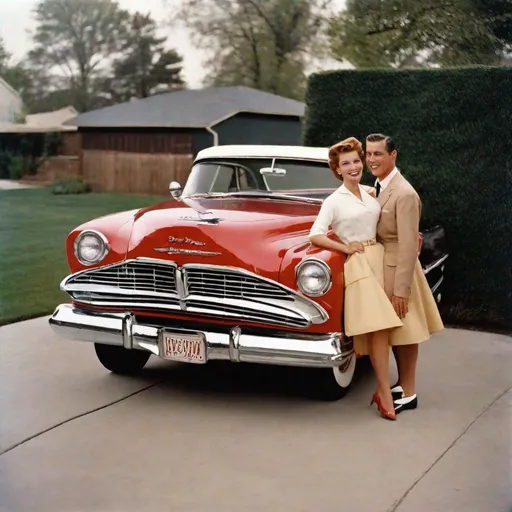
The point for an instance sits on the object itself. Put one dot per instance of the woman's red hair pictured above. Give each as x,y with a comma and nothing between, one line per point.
344,146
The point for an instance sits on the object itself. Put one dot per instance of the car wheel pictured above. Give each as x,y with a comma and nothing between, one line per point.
334,383
121,360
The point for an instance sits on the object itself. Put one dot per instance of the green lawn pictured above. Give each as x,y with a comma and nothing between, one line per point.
34,224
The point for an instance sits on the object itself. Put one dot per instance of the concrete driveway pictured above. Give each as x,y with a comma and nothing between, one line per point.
15,185
239,438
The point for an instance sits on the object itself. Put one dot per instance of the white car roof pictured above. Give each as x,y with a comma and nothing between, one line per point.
256,150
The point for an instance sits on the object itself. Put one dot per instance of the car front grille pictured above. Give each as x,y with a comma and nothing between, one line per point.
132,275
231,284
226,292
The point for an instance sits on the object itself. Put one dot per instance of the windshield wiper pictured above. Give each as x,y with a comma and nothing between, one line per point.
272,195
260,194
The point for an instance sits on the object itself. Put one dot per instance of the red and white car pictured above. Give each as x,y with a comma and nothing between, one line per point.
222,270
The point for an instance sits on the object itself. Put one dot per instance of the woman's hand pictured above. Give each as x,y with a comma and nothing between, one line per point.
354,247
326,243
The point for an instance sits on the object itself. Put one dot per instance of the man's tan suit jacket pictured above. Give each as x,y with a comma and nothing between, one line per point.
398,231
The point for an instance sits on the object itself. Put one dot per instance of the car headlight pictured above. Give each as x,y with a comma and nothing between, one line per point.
91,247
313,277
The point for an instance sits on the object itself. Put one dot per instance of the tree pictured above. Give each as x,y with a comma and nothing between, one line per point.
145,67
403,33
4,55
493,43
260,43
73,41
17,76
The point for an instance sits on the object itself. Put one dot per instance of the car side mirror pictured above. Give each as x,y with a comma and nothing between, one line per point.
175,190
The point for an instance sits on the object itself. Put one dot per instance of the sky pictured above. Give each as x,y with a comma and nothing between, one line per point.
16,22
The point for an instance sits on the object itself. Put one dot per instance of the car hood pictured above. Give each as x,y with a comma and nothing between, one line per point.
251,233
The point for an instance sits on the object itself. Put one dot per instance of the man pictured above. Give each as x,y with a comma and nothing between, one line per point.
404,281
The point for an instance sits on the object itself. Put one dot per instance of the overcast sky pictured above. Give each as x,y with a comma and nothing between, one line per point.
16,20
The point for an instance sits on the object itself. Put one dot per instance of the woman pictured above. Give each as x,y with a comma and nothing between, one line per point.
353,215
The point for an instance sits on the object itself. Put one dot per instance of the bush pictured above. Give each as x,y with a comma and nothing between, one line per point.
70,186
12,166
16,168
452,128
5,165
32,148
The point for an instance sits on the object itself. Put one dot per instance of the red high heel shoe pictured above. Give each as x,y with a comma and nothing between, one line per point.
383,412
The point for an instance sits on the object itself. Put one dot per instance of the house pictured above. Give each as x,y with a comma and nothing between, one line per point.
155,139
11,104
198,118
52,121
31,140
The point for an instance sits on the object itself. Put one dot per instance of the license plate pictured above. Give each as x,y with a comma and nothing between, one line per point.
188,348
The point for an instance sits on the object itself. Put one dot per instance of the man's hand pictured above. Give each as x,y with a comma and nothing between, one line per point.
400,305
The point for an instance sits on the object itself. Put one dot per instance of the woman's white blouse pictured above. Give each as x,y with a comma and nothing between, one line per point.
351,220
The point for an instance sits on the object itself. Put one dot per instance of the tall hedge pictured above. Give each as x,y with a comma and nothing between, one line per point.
453,128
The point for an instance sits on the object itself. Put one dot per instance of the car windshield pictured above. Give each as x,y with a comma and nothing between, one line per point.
243,176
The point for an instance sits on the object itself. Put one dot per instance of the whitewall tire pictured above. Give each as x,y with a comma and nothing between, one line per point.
334,383
345,378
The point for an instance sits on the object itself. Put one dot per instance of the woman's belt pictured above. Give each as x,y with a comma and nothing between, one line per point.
372,241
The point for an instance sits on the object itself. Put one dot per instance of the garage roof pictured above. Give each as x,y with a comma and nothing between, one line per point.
195,108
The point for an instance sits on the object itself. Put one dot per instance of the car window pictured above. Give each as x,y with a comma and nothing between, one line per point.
306,178
246,179
224,180
301,176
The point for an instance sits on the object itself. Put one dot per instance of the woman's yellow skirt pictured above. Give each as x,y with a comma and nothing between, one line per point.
367,307
423,318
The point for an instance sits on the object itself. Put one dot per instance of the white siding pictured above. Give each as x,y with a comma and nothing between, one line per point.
10,103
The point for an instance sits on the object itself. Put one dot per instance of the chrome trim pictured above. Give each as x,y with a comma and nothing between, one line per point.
437,285
322,264
234,344
101,236
198,220
250,311
126,330
266,195
175,190
181,288
236,271
272,171
177,193
193,252
121,329
289,308
436,264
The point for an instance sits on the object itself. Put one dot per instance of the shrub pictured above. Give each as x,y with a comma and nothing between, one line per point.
16,168
70,186
5,165
452,129
33,148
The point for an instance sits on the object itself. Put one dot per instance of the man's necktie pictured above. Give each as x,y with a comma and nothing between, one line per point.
377,188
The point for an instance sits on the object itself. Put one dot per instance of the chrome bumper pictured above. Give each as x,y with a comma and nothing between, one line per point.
121,329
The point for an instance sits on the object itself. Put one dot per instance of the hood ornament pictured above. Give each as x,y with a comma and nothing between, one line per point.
203,214
180,250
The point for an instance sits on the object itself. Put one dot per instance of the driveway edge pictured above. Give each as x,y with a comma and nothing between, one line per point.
397,504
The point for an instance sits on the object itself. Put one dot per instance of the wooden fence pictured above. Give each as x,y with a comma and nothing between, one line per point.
136,173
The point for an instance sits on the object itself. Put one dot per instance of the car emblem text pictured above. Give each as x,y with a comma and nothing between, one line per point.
180,250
